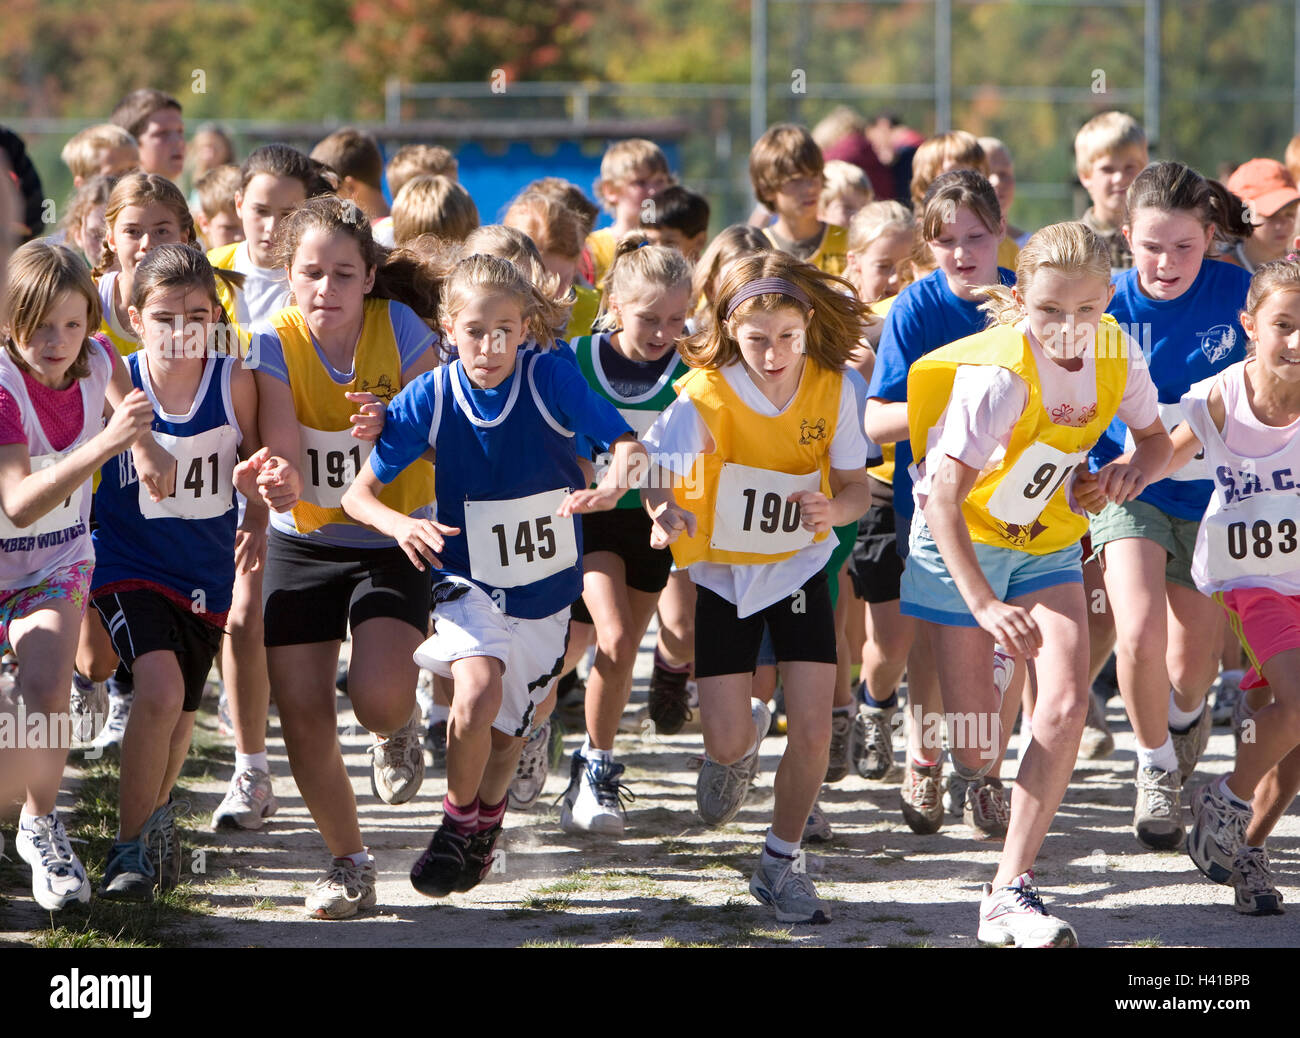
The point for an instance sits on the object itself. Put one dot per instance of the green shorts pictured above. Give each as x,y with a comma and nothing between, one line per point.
1139,519
847,536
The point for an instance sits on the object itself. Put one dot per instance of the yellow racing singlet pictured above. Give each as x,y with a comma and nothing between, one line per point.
583,314
329,456
832,255
743,515
601,244
223,258
1019,502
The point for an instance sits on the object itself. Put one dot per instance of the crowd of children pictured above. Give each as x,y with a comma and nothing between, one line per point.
911,441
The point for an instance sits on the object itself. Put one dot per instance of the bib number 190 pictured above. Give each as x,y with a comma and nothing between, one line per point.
525,547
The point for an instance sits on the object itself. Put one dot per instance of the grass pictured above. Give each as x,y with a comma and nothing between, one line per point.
917,931
543,903
889,919
108,924
536,943
1148,942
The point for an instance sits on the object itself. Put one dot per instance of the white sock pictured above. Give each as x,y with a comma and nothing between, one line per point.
1233,798
438,712
1162,757
1180,719
250,762
360,858
774,842
25,819
591,753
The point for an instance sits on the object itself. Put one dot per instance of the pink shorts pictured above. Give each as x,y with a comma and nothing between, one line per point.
70,582
1265,622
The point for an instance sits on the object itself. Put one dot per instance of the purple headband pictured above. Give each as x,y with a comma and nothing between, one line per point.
768,287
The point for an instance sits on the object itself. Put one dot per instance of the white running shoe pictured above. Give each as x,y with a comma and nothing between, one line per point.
1015,916
720,789
58,877
818,827
777,882
1218,832
534,764
343,890
397,770
109,739
88,708
249,801
598,806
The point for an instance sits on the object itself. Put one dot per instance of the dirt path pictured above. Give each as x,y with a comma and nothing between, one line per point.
670,880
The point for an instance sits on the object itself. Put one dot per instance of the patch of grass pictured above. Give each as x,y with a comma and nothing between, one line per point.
673,942
543,903
772,935
889,919
570,884
909,944
1147,942
65,937
263,904
858,938
575,929
108,924
627,938
675,846
917,931
536,943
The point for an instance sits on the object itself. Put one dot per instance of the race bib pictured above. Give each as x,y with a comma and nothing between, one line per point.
520,541
754,513
1262,543
205,466
65,514
1172,415
1027,487
329,462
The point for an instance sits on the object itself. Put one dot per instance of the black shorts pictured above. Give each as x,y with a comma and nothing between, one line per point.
802,626
312,591
141,621
626,533
874,566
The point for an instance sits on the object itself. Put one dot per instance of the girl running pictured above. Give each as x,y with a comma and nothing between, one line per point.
346,335
164,571
1186,308
54,378
500,422
632,362
767,450
1000,420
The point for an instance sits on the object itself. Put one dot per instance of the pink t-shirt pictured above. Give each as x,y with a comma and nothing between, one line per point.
58,410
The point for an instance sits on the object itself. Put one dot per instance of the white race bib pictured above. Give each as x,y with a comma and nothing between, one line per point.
1027,487
1261,543
753,512
63,515
329,462
520,541
205,466
1171,415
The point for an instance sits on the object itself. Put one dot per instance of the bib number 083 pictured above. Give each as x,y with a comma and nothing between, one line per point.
1260,542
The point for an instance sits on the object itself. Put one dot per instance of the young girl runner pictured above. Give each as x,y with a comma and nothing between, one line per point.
632,362
500,422
961,225
53,382
767,434
1166,630
345,335
164,571
1247,419
1000,420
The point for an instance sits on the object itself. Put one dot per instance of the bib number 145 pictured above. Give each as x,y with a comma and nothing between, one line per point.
519,541
524,544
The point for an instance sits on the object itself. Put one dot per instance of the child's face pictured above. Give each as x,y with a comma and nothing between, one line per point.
1272,238
90,235
1109,179
1168,248
967,252
1274,328
797,199
162,144
1002,175
627,196
140,228
114,161
330,280
57,341
175,322
223,229
487,333
1063,311
261,206
563,267
841,209
771,347
874,271
652,322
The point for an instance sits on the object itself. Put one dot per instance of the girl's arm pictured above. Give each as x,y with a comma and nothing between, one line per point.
421,539
1126,477
623,475
1010,625
670,520
250,538
886,420
26,495
850,498
153,464
278,480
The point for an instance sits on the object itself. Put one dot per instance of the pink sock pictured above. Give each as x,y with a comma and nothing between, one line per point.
490,815
463,819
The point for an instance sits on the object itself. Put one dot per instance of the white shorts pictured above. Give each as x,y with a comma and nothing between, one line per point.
531,651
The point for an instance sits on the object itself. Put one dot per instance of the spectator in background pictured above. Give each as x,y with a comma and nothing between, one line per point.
355,157
154,120
24,219
842,135
1271,192
894,144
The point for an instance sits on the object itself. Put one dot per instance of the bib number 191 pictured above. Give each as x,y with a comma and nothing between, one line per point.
338,473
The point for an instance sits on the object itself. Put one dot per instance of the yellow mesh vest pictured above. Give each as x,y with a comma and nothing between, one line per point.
796,441
223,258
319,402
601,244
832,255
583,313
929,388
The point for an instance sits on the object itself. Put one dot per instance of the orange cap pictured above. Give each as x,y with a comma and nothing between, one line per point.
1266,184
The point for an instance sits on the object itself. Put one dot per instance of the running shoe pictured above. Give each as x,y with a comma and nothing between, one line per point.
777,882
1253,881
58,878
1097,741
343,890
987,809
838,762
249,801
922,804
129,874
1189,745
873,741
225,723
1158,813
435,741
818,827
88,709
109,740
598,805
669,700
1218,832
441,867
530,775
1015,916
164,843
1226,691
397,769
478,859
720,789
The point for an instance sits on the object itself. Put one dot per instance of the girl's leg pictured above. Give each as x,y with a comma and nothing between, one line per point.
1273,796
243,665
45,642
676,643
726,718
843,648
855,625
889,637
96,659
924,700
382,674
499,771
1276,730
803,765
581,638
1195,627
148,751
1101,621
622,615
475,702
764,684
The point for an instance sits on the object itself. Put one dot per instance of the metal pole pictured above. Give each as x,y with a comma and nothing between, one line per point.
942,66
393,100
1151,72
757,69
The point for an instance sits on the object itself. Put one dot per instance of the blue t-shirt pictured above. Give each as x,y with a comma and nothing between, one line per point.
1184,340
925,316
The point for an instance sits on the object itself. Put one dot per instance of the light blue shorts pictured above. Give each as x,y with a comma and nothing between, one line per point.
928,591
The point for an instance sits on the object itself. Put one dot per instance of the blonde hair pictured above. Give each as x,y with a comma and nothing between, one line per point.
552,225
433,204
840,122
482,275
84,151
785,152
94,191
958,149
569,195
874,219
217,189
1292,158
835,325
510,243
841,178
413,159
1106,134
732,242
1072,248
38,274
637,265
1270,278
142,189
622,160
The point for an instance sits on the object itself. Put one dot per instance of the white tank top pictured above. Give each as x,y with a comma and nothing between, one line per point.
1250,535
61,537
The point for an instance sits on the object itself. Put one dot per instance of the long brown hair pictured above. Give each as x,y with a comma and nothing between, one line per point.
141,189
38,274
